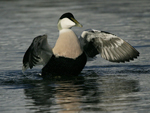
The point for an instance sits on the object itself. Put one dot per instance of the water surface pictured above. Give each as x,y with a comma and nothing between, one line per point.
102,86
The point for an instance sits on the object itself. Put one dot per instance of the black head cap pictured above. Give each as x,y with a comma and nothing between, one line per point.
67,15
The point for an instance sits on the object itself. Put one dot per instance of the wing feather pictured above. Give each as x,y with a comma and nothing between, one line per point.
38,53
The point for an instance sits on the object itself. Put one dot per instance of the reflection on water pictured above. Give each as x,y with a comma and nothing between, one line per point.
91,93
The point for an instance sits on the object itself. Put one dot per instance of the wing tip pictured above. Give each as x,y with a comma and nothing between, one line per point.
132,58
23,69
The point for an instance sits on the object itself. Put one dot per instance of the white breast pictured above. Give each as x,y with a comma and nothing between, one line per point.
67,44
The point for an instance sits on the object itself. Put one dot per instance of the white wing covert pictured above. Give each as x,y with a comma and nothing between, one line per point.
110,46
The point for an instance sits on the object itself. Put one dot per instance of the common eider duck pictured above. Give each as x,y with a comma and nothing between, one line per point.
70,53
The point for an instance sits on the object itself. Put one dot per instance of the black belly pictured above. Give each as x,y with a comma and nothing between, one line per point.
62,66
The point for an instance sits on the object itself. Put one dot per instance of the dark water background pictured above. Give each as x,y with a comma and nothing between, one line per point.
102,86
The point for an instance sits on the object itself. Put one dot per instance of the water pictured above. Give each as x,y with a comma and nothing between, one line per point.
102,86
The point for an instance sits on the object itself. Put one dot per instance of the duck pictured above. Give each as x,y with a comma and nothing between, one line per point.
71,53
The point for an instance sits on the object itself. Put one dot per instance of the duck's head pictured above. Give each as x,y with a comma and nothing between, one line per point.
66,21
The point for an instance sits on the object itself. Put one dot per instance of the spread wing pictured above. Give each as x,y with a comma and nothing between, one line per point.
110,46
38,53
